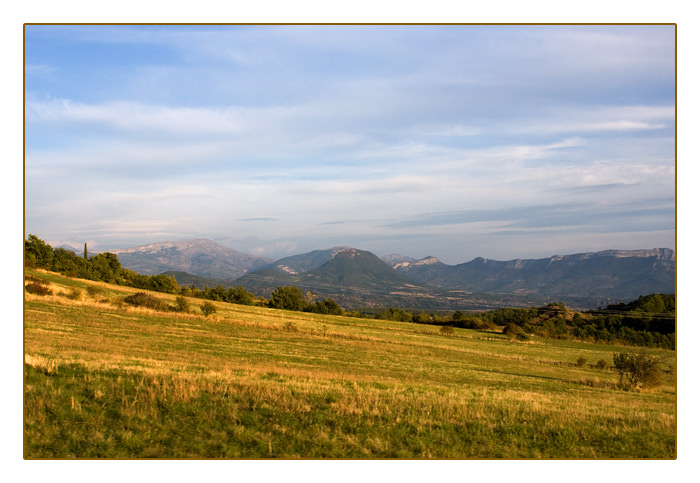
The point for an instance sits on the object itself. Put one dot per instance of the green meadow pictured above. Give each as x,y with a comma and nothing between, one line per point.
103,379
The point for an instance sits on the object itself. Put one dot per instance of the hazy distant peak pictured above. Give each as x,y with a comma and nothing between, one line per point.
200,256
159,246
395,258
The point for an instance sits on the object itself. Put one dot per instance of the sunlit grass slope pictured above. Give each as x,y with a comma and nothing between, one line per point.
104,380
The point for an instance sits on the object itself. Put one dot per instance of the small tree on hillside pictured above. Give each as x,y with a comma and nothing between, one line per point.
514,332
181,304
637,371
288,298
208,308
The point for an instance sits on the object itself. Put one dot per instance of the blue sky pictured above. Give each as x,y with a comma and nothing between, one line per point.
454,141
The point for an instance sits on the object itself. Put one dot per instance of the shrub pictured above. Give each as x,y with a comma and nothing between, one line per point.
581,361
291,327
72,295
38,288
602,364
142,299
513,332
637,371
181,304
447,330
94,291
208,308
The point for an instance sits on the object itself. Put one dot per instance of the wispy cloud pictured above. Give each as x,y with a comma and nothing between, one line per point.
261,218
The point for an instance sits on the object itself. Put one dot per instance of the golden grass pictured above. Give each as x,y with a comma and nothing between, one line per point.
345,373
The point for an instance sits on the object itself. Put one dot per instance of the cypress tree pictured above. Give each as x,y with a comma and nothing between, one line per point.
85,255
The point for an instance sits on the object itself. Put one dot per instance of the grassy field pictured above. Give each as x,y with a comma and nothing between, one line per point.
106,380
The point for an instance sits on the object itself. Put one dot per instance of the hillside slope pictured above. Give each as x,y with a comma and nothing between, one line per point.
106,380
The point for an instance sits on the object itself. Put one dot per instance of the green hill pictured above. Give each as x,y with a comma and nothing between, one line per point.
359,279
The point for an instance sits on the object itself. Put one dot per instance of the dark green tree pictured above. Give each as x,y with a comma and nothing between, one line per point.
85,252
106,267
68,263
181,304
637,370
208,308
514,332
163,283
37,253
326,306
239,295
288,298
459,316
421,318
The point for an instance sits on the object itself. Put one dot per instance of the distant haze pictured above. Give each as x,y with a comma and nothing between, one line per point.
454,141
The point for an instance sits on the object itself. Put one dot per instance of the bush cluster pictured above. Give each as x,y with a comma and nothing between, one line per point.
38,288
637,371
515,332
208,308
142,299
292,298
74,294
181,304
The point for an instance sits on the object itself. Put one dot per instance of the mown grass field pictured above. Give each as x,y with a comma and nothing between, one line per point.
105,380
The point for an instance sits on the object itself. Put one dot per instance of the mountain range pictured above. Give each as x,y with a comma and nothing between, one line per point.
357,278
201,257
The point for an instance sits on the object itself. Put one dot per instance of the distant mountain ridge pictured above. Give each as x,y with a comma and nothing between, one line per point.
359,278
397,261
579,278
351,277
306,262
201,257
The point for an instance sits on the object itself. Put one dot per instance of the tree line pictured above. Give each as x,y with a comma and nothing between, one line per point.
648,321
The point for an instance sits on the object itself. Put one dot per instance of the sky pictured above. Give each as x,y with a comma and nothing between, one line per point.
455,141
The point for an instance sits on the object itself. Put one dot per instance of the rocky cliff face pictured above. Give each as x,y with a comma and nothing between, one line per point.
415,263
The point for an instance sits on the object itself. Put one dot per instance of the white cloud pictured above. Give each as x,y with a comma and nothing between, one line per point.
586,120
